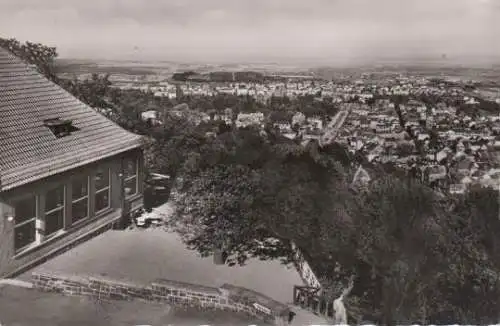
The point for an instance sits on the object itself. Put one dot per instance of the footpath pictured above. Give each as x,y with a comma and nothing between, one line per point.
47,309
305,317
21,305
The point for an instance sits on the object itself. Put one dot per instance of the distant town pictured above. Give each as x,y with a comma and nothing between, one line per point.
444,131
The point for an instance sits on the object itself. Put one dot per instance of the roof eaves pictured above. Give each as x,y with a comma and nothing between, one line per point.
39,176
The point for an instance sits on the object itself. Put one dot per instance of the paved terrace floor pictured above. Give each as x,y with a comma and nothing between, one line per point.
26,307
143,255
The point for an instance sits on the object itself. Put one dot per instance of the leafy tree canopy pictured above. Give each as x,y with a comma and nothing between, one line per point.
244,190
37,54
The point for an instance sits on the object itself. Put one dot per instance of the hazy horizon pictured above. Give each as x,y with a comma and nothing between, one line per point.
316,31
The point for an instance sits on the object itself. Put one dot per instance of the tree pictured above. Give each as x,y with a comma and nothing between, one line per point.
393,238
405,148
251,195
434,142
94,91
172,144
183,76
472,256
42,56
240,178
280,116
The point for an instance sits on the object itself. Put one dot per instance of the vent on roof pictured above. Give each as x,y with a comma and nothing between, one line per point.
60,128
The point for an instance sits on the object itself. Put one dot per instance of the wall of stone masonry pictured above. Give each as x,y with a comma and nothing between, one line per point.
176,294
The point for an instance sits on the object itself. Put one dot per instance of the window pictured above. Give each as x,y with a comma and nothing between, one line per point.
102,187
54,210
130,177
80,199
25,222
60,128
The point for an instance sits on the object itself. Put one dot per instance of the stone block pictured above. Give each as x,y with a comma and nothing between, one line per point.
182,295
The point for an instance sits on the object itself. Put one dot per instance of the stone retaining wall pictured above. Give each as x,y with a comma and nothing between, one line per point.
227,297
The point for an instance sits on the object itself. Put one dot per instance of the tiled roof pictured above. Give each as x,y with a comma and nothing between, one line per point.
28,150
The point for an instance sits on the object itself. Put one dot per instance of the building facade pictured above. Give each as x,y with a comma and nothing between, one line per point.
67,173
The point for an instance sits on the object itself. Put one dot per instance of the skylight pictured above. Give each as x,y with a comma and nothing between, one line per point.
59,127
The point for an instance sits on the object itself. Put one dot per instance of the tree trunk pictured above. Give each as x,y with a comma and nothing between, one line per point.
387,305
220,257
387,319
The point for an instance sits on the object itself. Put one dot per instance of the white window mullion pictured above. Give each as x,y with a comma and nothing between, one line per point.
81,183
106,189
54,210
132,177
39,223
60,208
79,199
102,190
24,222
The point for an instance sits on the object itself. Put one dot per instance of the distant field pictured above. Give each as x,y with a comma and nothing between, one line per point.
490,93
142,68
378,71
87,68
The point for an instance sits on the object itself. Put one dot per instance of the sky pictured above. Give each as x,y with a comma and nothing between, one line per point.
259,30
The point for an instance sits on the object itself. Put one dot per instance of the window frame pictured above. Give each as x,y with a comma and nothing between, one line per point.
40,197
134,176
61,208
99,191
80,199
34,219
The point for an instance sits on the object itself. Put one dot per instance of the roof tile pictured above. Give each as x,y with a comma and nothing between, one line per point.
29,150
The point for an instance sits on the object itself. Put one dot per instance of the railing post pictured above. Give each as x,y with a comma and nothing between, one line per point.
315,305
330,311
322,307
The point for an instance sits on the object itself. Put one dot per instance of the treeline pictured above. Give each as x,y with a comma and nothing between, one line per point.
278,109
225,76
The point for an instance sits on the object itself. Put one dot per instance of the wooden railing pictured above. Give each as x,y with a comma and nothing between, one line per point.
303,268
307,298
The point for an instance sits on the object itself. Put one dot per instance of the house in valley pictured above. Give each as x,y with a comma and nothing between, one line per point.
67,173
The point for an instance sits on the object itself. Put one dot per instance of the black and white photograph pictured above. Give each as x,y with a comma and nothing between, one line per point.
249,162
